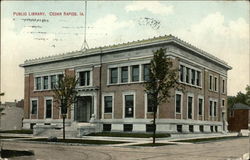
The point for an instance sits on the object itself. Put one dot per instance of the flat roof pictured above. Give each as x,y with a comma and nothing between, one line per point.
124,46
241,106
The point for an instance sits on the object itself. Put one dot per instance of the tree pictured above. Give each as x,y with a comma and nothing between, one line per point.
162,78
248,95
239,98
65,95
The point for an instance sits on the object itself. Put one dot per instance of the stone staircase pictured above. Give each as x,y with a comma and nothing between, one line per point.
74,130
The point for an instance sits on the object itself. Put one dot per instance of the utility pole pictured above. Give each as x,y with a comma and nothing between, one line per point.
1,94
85,44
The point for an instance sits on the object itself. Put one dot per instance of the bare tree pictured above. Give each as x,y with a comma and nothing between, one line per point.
65,95
162,78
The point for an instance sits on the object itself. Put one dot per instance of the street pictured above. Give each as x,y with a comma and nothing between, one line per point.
220,150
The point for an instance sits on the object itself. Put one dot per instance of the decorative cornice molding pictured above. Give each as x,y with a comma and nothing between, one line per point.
125,46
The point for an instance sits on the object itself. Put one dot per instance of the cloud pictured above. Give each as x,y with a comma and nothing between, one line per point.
19,46
228,41
215,24
107,27
154,7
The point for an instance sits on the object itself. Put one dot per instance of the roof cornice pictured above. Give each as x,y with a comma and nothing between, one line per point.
125,46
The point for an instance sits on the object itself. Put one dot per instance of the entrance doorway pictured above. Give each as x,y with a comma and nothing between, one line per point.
84,108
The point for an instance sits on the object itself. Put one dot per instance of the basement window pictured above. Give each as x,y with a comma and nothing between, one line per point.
179,128
127,127
149,128
106,127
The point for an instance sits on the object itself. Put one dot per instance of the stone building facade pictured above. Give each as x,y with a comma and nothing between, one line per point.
111,92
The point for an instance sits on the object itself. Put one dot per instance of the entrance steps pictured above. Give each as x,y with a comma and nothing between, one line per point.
85,128
54,131
73,130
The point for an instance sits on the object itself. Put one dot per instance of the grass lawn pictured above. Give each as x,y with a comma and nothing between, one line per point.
15,153
22,131
207,140
153,145
134,135
9,137
81,141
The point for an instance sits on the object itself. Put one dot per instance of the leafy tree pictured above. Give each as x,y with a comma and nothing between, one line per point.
248,95
162,78
239,98
65,95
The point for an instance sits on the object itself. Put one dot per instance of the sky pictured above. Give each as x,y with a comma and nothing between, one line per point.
32,29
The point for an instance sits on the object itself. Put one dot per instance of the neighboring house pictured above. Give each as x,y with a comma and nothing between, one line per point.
111,91
11,116
239,117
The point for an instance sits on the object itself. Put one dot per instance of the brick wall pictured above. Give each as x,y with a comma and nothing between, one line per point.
40,95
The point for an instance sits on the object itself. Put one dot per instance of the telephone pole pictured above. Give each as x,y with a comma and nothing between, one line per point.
1,94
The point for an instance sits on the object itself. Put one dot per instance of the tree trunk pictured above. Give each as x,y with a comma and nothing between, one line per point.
154,125
64,116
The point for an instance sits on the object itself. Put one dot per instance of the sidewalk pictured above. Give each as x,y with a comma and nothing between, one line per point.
136,141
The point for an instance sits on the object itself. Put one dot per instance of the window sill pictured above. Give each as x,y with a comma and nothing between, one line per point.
213,91
129,83
84,86
190,85
43,90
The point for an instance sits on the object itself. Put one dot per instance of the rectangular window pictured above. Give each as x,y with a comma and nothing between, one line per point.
135,73
129,106
45,82
210,82
38,83
193,77
106,127
215,109
179,128
223,86
84,78
113,75
210,107
187,75
128,127
216,128
149,128
48,104
198,80
182,73
190,107
223,102
53,81
201,128
146,71
215,84
34,107
60,78
124,74
200,106
178,103
107,104
150,104
211,128
191,128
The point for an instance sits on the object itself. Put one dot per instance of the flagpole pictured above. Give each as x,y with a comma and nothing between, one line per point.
85,44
